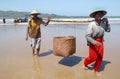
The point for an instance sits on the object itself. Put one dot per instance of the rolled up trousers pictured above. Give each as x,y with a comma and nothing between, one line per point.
95,54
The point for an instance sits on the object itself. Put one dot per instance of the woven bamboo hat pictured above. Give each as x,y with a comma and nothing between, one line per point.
34,12
96,11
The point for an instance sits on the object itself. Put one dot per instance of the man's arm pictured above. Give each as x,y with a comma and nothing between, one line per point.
46,22
89,36
107,25
27,33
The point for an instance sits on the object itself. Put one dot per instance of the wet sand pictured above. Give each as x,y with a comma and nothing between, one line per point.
17,61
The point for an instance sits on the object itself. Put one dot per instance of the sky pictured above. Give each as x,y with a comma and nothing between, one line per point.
63,7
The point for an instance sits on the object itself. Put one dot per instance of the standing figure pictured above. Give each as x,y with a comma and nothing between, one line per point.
33,31
94,36
4,21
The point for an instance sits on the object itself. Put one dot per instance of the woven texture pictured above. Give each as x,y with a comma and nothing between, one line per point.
64,46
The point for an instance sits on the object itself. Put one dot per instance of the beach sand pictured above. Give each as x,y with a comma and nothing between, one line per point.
17,61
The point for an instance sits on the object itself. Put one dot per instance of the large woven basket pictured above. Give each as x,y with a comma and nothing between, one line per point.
64,46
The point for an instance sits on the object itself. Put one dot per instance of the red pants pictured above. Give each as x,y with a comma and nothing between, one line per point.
95,54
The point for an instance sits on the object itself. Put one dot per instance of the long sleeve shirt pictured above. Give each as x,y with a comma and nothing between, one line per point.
96,30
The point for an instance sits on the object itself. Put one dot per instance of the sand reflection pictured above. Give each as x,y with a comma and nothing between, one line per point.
37,70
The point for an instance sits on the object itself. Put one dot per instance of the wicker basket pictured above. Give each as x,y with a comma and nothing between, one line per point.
64,46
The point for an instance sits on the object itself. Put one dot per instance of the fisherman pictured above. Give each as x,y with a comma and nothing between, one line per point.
33,31
94,36
4,21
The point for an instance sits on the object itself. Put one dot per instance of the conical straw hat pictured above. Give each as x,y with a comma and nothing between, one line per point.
97,10
34,12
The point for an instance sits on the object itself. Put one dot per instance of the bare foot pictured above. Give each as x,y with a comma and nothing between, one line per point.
33,53
37,54
85,68
98,73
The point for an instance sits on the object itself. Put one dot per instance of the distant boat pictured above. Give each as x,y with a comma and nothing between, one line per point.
20,20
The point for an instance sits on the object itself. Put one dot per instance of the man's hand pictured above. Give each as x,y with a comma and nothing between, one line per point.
98,43
105,20
26,38
49,18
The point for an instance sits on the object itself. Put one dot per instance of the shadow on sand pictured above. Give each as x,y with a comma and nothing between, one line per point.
70,61
103,65
45,53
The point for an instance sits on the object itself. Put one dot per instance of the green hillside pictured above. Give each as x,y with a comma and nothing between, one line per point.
14,14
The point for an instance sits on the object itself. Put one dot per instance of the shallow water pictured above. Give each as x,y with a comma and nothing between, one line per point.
17,62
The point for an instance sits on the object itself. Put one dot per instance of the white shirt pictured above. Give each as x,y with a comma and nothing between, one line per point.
96,30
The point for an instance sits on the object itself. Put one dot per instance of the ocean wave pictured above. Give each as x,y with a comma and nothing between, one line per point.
64,21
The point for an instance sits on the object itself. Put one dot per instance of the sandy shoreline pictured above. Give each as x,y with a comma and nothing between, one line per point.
17,62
